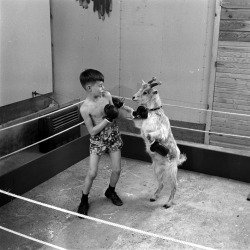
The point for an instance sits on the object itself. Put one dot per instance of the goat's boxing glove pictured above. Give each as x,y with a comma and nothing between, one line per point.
159,148
111,112
118,102
140,113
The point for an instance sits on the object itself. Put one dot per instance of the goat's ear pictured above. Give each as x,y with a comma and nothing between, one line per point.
155,92
144,83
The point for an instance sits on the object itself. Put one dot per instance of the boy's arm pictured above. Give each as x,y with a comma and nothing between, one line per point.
124,111
93,130
109,97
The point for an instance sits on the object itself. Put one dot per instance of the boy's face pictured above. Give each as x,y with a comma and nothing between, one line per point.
97,88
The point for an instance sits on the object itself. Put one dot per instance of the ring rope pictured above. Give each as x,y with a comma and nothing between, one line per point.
207,110
183,128
108,222
199,109
164,104
210,132
31,238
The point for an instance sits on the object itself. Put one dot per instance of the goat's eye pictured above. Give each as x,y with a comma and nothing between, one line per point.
145,93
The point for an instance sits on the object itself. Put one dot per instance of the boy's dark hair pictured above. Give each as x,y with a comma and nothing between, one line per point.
90,75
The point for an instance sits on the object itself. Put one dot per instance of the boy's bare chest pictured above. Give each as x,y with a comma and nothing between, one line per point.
97,108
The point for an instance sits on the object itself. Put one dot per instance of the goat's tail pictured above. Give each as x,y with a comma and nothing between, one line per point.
182,159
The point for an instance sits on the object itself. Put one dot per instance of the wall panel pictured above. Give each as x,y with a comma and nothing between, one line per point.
172,41
25,50
167,39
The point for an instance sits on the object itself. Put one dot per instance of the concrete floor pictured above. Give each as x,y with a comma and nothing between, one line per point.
209,211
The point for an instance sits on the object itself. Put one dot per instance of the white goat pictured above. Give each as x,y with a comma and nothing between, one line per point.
156,128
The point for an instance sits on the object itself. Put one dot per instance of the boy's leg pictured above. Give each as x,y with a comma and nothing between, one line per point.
116,167
116,170
92,172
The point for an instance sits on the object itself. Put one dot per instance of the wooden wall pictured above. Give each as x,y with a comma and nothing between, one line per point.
232,79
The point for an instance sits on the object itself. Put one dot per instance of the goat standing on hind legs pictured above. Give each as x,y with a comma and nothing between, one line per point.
156,132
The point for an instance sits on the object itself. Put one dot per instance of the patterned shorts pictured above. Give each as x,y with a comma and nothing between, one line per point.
109,139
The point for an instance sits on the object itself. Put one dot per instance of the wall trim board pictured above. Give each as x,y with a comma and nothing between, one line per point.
213,67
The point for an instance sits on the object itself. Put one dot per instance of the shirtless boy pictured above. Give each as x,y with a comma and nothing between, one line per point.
99,113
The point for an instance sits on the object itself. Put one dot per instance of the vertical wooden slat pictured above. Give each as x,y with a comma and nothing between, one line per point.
213,68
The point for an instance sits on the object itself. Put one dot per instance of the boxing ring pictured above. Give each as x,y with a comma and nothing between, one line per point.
45,191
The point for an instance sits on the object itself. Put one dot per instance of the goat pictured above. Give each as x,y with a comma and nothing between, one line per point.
155,128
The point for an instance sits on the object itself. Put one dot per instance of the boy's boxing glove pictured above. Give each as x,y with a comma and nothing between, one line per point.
140,113
159,148
118,102
111,112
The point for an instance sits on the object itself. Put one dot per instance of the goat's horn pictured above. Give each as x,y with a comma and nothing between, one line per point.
153,84
153,79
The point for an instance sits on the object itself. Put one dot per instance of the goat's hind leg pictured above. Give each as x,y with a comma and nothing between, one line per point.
159,176
173,182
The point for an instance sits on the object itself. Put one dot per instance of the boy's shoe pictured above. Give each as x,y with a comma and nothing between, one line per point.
83,209
112,195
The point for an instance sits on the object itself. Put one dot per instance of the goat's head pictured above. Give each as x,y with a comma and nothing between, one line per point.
147,94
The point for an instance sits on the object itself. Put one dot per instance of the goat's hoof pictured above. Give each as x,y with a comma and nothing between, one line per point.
166,206
152,199
248,197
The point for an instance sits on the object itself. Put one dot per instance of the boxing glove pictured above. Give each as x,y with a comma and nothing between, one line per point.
117,102
140,113
159,148
111,112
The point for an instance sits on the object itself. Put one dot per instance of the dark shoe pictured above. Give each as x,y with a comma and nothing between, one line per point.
83,209
113,197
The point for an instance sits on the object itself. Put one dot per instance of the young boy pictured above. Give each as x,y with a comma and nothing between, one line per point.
99,112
